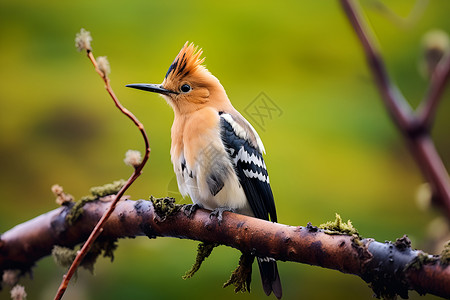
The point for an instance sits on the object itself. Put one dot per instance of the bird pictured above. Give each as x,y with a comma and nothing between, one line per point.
216,153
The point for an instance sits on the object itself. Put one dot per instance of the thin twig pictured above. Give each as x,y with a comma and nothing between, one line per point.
428,159
415,129
137,171
439,79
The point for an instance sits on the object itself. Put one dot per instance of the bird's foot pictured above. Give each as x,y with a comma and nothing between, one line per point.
189,209
218,212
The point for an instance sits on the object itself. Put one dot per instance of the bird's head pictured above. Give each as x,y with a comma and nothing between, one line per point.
188,85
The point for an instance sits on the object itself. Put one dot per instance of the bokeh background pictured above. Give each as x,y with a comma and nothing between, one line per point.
331,147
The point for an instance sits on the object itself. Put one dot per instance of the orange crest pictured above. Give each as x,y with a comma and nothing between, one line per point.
186,62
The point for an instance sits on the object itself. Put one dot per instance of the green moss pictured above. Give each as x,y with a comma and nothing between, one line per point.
445,254
356,241
96,192
107,189
100,246
339,227
65,256
242,276
77,210
203,252
421,259
164,207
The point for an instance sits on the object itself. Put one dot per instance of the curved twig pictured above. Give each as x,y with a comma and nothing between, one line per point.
137,172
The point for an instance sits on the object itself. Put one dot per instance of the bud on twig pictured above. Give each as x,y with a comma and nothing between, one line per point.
83,40
133,158
61,197
103,65
18,293
435,45
10,277
424,196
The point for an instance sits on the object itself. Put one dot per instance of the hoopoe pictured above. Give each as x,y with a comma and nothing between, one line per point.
216,153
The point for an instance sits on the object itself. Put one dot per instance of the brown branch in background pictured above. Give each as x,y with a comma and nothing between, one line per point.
83,43
390,268
415,127
396,104
439,79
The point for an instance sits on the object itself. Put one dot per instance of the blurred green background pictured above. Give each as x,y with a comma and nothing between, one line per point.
332,149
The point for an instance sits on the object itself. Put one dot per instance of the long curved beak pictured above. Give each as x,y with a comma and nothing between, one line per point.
154,88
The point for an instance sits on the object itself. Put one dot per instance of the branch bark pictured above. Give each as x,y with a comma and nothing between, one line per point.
390,268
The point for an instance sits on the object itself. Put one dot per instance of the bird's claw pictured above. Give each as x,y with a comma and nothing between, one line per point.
218,213
189,209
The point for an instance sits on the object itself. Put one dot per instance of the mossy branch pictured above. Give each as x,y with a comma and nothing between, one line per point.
390,268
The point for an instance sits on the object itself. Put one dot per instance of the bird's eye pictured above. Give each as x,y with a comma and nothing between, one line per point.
185,88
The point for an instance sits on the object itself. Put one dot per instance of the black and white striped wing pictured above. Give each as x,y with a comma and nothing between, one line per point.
250,169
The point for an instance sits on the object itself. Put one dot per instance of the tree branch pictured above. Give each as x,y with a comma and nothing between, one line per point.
391,268
415,127
429,104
